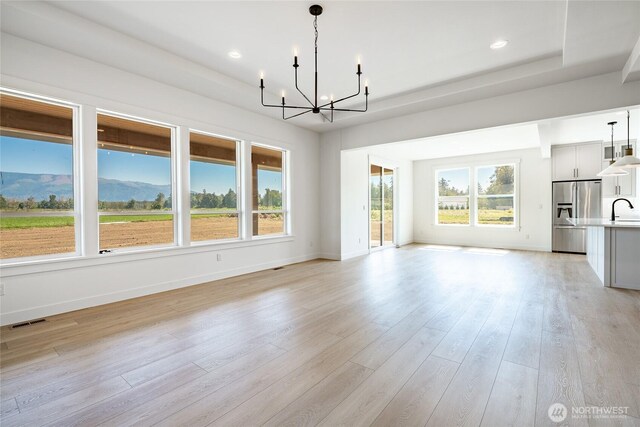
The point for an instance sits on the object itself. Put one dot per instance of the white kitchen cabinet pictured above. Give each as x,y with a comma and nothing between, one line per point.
564,163
618,149
588,160
581,161
612,252
619,186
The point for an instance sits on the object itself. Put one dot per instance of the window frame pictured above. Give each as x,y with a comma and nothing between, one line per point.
239,193
437,195
285,194
473,193
483,196
175,190
76,172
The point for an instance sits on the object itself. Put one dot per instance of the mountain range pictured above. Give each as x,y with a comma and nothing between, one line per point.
20,186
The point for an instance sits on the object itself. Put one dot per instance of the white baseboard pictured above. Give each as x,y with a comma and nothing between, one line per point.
330,256
354,254
78,304
484,245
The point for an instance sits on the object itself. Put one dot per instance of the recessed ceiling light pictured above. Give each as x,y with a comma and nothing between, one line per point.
499,44
324,97
234,54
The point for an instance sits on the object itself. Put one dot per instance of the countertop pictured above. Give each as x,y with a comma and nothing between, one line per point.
603,222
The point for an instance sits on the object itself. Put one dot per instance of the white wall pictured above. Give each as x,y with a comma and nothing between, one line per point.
330,175
581,96
354,203
534,210
54,287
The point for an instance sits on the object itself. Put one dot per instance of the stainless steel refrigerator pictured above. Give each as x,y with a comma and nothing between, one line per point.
574,200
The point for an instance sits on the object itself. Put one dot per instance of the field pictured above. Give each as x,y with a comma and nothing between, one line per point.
32,236
375,227
485,216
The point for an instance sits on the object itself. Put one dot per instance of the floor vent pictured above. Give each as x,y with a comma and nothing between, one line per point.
31,322
278,268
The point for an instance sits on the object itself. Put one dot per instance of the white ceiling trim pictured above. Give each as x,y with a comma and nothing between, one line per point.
631,70
63,30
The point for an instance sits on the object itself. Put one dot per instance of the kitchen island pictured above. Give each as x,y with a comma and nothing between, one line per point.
613,250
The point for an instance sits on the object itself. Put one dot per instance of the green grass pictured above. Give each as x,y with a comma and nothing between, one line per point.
486,216
453,216
9,223
134,218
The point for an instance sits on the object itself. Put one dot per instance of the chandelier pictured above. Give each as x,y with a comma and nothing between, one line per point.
314,106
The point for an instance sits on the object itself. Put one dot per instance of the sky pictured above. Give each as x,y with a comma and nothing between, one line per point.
484,174
134,167
458,178
29,156
38,157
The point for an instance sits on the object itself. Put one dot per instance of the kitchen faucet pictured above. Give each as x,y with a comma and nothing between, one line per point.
613,207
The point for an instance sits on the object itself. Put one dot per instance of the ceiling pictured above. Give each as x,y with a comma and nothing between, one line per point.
569,130
409,50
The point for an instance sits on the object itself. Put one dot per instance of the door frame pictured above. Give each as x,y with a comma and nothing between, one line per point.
391,165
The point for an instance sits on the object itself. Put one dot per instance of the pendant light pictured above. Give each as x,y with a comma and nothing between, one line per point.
629,160
613,170
313,106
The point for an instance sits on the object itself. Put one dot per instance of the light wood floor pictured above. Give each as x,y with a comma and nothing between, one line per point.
413,336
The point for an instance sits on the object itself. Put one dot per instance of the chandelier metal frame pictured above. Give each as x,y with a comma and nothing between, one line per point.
314,106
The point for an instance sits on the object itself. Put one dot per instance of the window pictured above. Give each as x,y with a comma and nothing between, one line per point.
214,188
269,190
37,178
495,196
135,184
453,196
492,189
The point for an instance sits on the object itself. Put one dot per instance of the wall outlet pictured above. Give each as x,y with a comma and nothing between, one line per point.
219,257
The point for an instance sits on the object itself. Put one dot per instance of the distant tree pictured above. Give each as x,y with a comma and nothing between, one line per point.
443,187
229,200
158,203
272,198
446,189
131,204
168,204
501,181
3,202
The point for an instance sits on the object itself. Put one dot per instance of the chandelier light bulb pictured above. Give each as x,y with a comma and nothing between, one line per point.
261,75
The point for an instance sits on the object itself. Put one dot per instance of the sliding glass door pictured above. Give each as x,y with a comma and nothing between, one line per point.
381,206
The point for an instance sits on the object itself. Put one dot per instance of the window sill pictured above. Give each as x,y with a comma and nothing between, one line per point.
65,263
479,226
